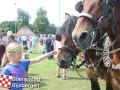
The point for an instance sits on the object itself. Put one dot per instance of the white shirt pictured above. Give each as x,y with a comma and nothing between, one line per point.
24,38
57,45
4,39
42,48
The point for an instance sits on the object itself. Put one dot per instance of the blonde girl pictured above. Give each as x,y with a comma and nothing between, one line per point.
13,65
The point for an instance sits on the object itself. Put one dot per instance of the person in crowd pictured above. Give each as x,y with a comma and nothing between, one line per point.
3,45
25,56
48,44
12,64
11,38
4,38
0,35
41,39
34,42
81,56
0,47
44,39
42,48
24,40
52,44
9,33
18,39
30,44
56,46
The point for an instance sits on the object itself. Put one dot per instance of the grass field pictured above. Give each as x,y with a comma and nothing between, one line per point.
46,71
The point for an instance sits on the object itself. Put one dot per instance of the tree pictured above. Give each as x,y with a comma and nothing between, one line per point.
31,27
41,22
23,18
52,29
8,26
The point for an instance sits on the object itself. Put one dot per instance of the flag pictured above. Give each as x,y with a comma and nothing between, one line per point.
5,81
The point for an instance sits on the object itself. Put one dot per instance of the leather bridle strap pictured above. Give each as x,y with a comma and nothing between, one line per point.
106,7
69,50
93,19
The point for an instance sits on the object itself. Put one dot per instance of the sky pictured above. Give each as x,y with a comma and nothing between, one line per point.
8,9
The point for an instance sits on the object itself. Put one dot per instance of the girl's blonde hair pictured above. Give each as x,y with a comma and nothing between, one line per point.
10,49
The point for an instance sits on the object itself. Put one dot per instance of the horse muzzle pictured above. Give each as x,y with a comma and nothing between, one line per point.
82,40
63,64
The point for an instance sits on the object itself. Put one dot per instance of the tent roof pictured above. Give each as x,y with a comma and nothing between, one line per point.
25,31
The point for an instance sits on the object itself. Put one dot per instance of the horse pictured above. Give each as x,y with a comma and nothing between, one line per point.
97,18
67,51
64,56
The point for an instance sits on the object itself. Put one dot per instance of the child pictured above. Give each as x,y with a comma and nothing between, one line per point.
30,44
42,48
25,56
13,65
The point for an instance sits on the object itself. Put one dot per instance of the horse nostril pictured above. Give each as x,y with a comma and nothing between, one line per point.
62,62
83,36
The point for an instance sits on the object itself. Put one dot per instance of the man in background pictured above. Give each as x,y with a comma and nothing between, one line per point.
48,44
24,39
34,41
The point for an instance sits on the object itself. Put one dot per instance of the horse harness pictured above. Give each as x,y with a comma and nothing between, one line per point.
108,61
109,5
73,53
107,14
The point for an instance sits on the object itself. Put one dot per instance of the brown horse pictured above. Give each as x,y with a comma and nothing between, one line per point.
96,18
64,56
68,51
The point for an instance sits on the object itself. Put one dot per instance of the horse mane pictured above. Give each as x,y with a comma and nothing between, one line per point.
68,26
117,11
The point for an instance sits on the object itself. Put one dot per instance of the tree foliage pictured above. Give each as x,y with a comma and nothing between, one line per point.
23,18
41,22
31,26
52,29
40,25
8,26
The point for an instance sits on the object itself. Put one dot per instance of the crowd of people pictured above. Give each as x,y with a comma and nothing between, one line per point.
12,54
12,60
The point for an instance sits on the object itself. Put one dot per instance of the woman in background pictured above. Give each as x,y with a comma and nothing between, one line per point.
2,45
30,44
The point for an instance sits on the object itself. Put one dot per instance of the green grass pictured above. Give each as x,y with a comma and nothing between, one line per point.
46,71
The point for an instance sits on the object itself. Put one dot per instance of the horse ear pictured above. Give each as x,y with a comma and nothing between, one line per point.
79,7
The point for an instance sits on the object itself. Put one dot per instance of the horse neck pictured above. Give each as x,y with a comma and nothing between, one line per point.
90,54
116,55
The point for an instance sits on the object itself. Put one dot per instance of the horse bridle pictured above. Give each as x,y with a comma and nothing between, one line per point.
107,14
69,50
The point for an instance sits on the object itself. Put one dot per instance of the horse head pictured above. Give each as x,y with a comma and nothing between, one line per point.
67,50
92,23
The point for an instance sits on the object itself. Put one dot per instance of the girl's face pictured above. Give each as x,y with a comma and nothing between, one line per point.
17,55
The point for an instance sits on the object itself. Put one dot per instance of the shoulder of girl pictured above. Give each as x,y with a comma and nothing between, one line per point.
5,71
